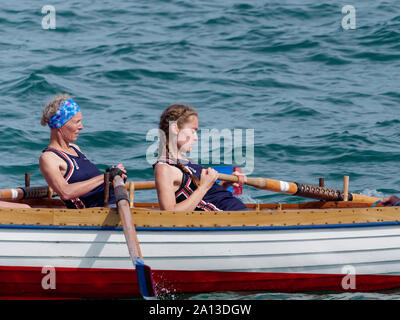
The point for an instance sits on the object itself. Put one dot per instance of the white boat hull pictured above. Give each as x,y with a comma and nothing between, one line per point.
301,253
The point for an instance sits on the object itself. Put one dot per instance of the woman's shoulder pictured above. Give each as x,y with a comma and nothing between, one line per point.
50,160
164,170
162,166
47,155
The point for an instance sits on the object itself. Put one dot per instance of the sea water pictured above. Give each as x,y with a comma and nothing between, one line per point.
314,83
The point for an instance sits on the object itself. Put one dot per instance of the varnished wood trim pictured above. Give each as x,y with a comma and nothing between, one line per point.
142,217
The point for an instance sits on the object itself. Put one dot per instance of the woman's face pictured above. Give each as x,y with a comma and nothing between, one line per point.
70,130
187,135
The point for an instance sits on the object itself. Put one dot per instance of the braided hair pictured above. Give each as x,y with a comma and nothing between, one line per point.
180,114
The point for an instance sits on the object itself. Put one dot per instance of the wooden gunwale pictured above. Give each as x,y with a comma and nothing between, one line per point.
148,215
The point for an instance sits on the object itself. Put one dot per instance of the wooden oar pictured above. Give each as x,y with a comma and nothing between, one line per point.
24,193
43,191
299,189
141,185
143,271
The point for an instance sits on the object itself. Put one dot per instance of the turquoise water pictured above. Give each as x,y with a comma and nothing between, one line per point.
322,101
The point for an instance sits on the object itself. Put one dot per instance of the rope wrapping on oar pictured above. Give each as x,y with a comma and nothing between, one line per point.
320,193
34,192
120,193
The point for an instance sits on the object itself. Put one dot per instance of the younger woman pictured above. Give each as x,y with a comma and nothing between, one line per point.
182,185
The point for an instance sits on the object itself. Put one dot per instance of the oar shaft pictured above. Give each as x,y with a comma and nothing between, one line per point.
121,197
141,185
362,198
143,272
42,191
24,193
264,183
11,194
299,189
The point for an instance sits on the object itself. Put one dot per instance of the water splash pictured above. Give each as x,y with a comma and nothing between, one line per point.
372,193
245,197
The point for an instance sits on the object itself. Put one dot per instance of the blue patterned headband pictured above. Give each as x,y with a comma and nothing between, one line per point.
65,112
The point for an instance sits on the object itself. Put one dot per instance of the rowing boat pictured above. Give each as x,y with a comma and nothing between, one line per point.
48,251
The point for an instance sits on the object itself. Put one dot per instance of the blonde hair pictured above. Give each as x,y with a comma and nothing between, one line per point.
52,107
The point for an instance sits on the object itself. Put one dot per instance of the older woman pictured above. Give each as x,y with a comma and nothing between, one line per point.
77,181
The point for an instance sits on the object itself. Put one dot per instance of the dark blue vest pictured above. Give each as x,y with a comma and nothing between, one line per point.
79,168
216,198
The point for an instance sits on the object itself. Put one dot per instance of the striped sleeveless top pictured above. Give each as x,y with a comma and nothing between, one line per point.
79,168
216,198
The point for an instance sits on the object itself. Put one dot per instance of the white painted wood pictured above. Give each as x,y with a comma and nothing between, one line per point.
199,249
371,250
196,236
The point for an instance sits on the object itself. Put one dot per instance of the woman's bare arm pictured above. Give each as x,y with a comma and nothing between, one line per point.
165,179
49,166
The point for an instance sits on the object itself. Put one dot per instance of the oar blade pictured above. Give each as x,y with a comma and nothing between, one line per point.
145,279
